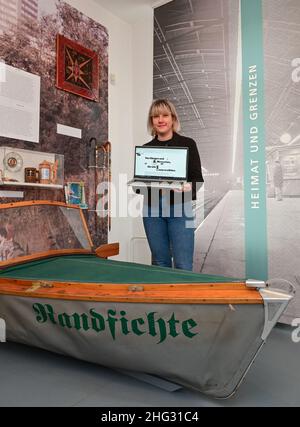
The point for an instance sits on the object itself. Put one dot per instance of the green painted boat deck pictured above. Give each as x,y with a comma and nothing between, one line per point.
91,269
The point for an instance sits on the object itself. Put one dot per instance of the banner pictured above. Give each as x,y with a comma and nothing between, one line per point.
254,141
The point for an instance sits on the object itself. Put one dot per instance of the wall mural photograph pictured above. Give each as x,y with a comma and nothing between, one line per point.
196,66
249,209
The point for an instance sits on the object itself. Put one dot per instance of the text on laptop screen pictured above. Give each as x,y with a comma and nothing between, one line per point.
163,162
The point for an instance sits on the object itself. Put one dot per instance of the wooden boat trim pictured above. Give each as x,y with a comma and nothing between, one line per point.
86,228
36,202
183,293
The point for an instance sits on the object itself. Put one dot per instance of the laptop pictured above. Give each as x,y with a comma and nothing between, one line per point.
160,167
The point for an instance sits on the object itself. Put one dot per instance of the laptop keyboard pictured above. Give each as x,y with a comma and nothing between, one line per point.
157,184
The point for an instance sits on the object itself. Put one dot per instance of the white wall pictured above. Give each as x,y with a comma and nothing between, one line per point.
131,64
142,95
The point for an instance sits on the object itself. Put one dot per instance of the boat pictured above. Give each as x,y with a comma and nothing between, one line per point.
60,293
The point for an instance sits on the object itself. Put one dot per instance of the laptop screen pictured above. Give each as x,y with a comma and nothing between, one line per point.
169,163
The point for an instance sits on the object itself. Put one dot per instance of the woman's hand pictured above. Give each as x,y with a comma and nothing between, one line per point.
185,188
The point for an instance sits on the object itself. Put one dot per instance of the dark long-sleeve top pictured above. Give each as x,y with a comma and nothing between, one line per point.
194,164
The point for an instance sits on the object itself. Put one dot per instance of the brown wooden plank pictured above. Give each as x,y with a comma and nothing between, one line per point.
110,249
224,293
36,202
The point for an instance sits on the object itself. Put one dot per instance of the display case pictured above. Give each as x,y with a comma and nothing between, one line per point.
29,168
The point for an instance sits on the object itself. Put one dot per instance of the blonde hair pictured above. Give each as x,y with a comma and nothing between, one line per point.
159,106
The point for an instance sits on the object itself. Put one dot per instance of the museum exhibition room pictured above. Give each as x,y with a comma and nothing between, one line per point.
149,205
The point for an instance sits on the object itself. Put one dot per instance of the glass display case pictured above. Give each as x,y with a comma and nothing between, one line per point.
27,168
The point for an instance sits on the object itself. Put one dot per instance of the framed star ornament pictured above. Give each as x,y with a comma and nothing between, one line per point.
77,69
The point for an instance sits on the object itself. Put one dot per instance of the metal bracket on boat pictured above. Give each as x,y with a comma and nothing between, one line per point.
275,302
135,288
258,284
40,284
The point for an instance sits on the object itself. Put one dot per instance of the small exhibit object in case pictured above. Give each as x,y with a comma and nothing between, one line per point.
45,172
31,175
75,194
13,161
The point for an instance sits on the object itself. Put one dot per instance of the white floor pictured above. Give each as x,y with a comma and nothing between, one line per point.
32,377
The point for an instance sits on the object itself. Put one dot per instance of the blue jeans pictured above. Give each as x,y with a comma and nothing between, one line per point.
170,233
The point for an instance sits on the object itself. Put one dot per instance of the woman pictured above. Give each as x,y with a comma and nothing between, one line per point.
168,218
